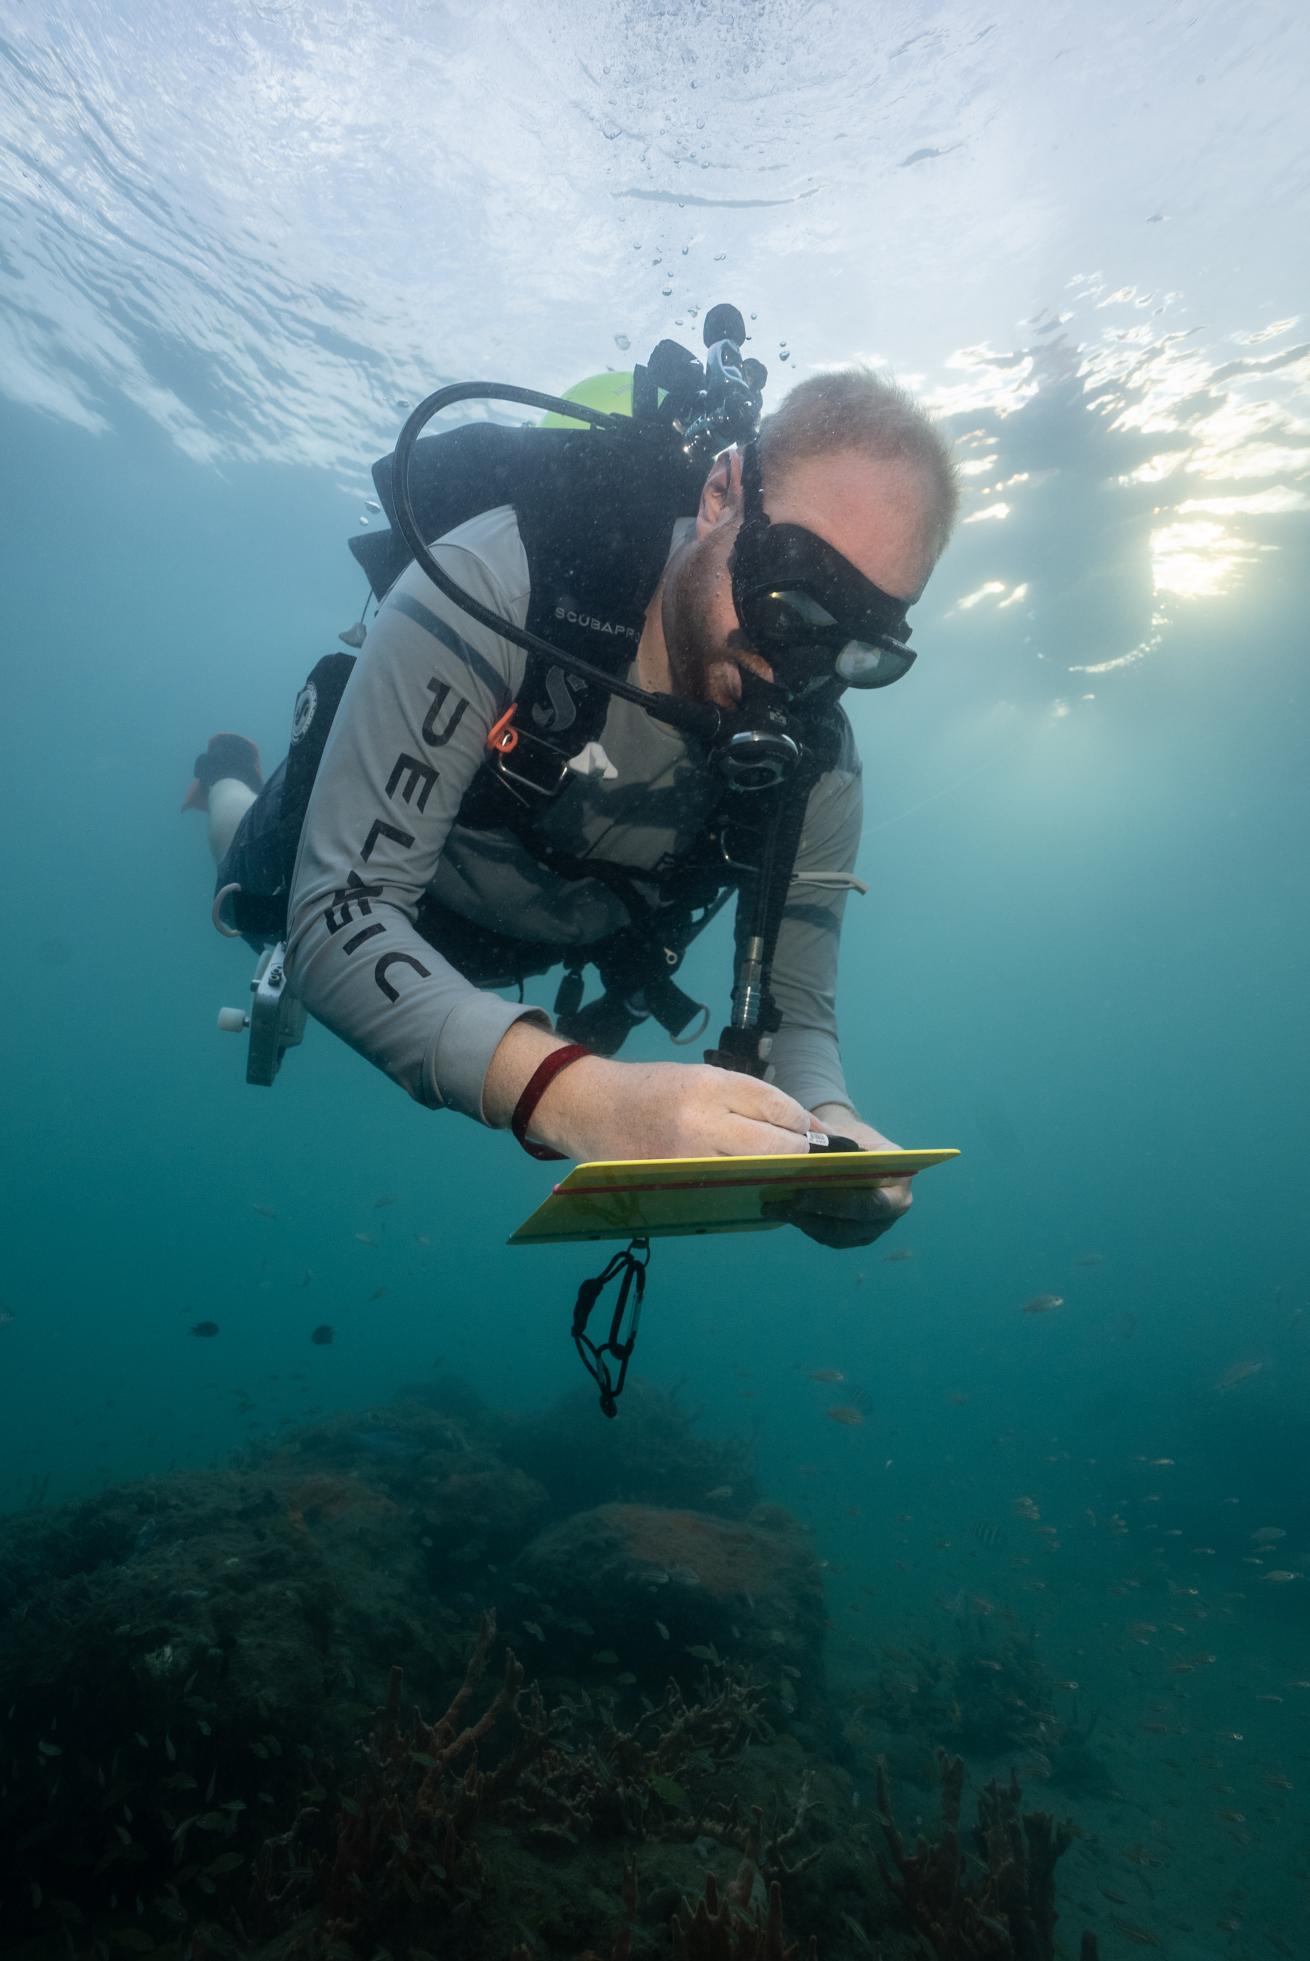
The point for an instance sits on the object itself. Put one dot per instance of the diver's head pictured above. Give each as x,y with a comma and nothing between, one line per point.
809,548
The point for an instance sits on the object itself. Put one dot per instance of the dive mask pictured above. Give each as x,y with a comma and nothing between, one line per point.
805,609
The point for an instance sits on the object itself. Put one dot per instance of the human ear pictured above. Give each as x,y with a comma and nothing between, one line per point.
718,494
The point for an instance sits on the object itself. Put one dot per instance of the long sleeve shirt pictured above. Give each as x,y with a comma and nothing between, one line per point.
382,831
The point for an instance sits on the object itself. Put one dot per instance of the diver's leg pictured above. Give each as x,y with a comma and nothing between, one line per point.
229,800
227,780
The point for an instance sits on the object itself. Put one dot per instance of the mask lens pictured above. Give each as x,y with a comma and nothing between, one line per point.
790,614
861,665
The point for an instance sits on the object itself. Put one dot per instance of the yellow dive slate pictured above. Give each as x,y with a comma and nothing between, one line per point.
659,1198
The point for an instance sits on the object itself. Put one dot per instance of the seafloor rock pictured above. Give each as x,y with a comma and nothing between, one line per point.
653,1455
177,1653
220,1738
640,1591
468,1504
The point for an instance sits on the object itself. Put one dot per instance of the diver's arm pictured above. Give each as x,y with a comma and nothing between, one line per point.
408,738
806,1060
598,1108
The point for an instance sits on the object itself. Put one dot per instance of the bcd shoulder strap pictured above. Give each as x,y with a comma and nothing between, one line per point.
595,514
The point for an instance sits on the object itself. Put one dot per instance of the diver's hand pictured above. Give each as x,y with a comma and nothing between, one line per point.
601,1109
840,1218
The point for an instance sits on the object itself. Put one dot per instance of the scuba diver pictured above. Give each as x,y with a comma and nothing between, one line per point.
600,695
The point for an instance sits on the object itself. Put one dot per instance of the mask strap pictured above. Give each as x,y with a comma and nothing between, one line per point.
752,488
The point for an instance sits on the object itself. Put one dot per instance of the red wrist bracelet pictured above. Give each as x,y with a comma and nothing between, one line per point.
535,1088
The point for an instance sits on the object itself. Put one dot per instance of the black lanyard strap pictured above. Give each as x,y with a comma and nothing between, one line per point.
631,1265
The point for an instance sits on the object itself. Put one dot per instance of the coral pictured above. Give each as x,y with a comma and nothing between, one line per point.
325,1498
728,1558
404,1841
766,1849
710,1932
1076,1766
610,1782
656,1586
996,1907
989,1697
653,1457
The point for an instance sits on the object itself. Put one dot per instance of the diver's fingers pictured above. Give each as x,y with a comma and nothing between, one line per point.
746,1139
766,1104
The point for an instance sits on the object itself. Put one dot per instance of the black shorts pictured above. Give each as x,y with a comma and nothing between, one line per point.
256,862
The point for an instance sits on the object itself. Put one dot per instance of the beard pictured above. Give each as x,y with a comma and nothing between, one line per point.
703,664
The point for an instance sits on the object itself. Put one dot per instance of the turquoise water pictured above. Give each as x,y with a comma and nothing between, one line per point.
1082,959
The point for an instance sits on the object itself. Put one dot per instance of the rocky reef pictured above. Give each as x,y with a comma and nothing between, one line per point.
431,1679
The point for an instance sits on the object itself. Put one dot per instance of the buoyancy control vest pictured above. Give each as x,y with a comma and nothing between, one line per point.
595,516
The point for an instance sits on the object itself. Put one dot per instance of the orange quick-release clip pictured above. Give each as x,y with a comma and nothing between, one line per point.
502,736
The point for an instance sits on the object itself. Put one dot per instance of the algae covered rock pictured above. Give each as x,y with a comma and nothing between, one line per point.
649,1591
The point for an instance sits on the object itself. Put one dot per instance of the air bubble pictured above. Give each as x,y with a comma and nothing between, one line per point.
622,342
666,290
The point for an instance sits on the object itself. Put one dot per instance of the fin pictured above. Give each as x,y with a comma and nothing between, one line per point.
227,755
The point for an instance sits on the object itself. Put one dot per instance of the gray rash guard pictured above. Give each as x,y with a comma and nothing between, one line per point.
381,832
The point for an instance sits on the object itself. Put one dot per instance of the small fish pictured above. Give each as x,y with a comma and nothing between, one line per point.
606,1657
663,1632
366,1238
381,1204
377,1294
6,1318
627,1678
1238,1372
669,1791
385,1443
535,1629
1089,1259
1043,1303
1138,1936
1280,1576
720,1491
322,1335
700,1651
264,1211
1268,1535
826,1375
205,1328
422,1238
985,1532
844,1413
897,1256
